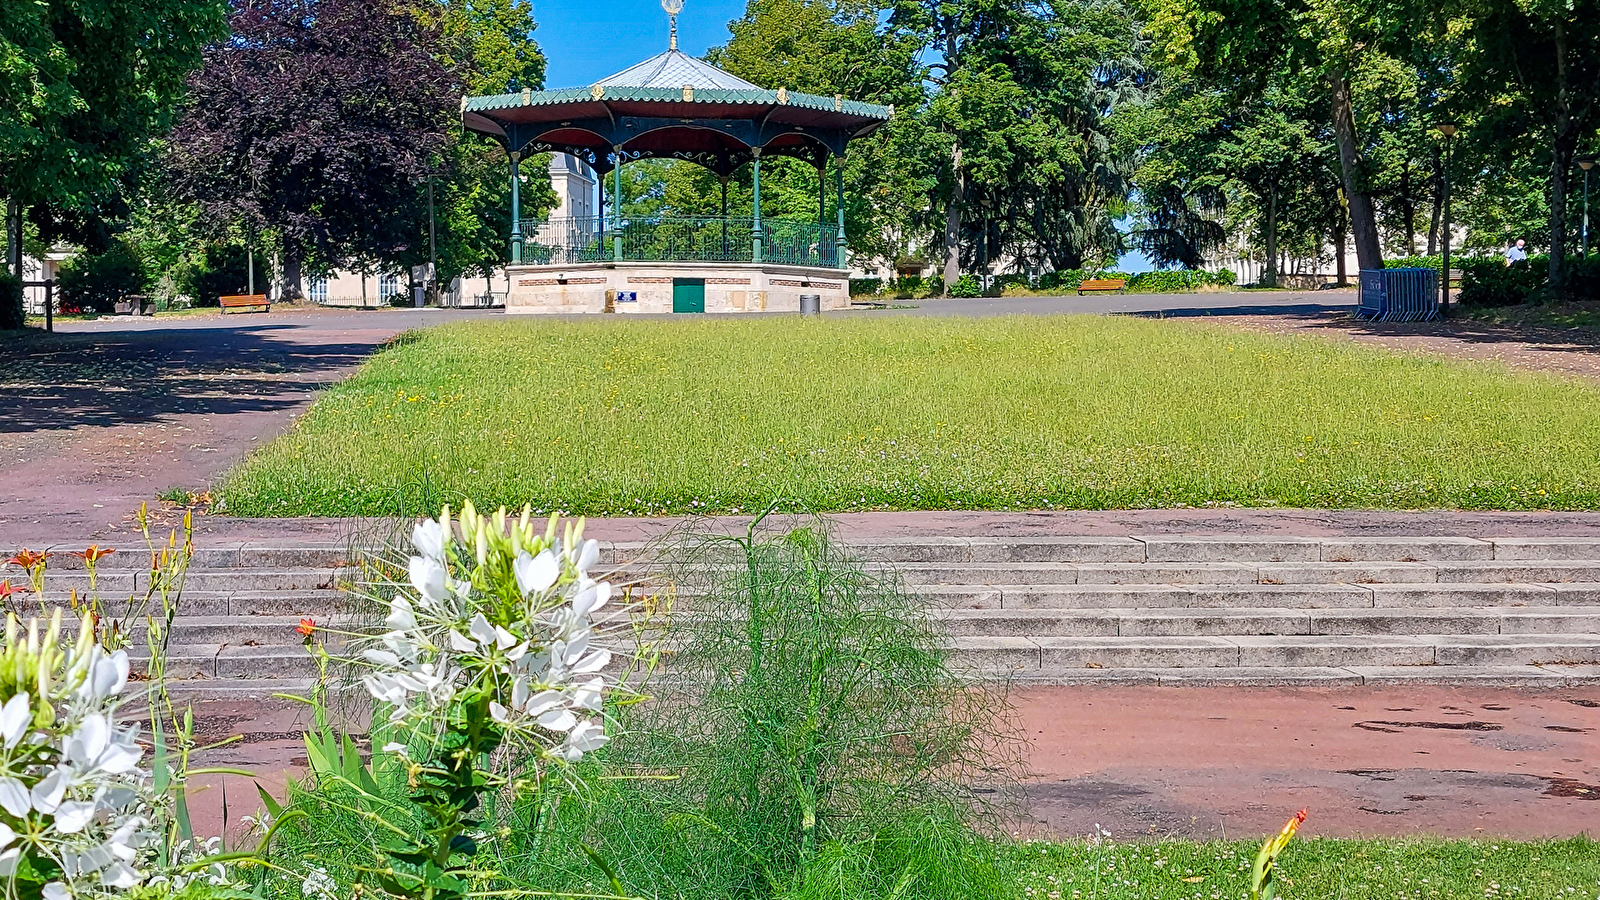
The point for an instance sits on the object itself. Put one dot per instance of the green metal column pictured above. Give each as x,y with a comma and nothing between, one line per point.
516,212
616,206
755,234
724,180
840,257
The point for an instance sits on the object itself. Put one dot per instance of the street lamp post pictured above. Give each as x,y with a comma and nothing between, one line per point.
1448,129
1586,163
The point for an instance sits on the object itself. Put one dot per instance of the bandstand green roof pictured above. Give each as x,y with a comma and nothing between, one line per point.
673,106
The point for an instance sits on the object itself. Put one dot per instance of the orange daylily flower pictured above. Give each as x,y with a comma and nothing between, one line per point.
94,553
27,559
7,590
306,627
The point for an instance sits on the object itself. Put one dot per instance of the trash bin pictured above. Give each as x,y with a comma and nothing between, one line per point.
1399,295
810,304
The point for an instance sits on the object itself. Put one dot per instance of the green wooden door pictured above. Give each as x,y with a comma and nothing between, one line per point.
688,295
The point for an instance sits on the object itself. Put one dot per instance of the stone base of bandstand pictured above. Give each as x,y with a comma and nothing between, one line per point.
729,287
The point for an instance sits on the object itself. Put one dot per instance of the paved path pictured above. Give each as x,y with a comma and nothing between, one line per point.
104,415
1198,762
1404,761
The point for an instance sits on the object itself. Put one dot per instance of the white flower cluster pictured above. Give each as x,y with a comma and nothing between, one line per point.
500,614
74,803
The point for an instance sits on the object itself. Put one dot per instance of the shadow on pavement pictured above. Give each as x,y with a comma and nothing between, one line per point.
69,380
1306,310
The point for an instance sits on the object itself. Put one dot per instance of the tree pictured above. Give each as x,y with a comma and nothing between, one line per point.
828,47
318,123
489,46
1547,53
84,86
1246,43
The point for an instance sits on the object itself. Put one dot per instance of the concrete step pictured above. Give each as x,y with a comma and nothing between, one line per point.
113,582
1148,596
133,556
1485,594
210,603
1018,653
1179,622
136,558
249,631
191,661
1314,676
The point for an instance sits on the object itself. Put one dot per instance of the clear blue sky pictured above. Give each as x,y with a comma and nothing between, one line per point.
586,40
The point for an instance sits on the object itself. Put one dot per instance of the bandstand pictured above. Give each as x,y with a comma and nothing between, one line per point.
673,106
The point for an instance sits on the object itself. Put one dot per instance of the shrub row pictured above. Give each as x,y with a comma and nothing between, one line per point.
1159,282
1490,282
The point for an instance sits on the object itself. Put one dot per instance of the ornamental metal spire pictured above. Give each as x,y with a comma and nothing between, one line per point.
672,7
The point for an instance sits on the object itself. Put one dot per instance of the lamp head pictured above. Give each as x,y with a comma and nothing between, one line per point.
1448,129
1586,163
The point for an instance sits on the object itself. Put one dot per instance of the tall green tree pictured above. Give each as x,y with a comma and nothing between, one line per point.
1537,62
1244,44
489,46
318,122
847,48
1266,155
84,87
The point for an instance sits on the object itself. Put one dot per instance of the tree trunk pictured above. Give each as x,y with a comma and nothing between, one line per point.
1363,221
1562,151
14,238
1341,230
1408,209
952,220
293,264
1269,278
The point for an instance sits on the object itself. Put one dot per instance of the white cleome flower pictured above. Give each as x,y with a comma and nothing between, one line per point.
503,613
73,796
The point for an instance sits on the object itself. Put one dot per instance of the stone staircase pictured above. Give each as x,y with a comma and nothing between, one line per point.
1061,610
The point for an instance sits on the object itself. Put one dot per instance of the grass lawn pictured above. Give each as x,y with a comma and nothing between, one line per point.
1585,316
717,415
1312,870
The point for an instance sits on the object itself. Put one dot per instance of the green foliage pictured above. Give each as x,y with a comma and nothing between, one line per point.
811,741
1003,413
85,86
1374,869
222,270
1491,283
866,287
98,281
10,302
1158,281
966,286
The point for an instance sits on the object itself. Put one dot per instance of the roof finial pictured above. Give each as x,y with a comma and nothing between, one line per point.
673,7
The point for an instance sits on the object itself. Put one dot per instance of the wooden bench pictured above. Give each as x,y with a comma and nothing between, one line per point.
244,303
1101,284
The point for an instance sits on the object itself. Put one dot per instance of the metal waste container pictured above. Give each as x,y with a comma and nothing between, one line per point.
1399,295
810,304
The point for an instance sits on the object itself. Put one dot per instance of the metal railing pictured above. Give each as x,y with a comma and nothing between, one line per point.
678,238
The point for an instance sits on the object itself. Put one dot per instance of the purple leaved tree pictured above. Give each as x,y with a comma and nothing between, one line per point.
314,125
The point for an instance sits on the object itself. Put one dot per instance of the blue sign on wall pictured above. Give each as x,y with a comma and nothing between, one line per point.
627,296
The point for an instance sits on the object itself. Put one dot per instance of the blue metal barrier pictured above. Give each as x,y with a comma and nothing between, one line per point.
1399,295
